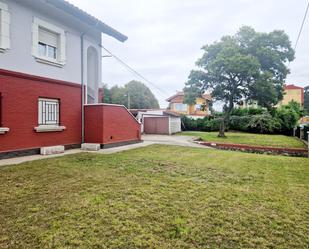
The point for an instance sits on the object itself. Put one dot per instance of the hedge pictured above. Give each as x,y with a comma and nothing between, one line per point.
255,120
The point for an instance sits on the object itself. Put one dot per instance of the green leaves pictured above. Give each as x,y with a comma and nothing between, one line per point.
135,93
247,66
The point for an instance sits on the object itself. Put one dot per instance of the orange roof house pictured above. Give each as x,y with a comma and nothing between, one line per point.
199,109
292,92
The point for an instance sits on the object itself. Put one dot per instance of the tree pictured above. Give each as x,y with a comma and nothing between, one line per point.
134,95
106,94
306,100
242,66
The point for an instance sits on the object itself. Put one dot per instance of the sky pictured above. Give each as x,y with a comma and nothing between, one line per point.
165,36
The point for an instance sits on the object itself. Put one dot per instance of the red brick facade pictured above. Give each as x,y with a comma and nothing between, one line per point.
108,124
105,124
20,94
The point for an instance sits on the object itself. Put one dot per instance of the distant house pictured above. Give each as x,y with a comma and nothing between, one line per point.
198,110
50,69
292,92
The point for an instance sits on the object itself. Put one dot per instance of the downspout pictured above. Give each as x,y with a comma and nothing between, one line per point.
83,85
83,82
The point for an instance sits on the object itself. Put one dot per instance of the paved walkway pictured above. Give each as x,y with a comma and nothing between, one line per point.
147,140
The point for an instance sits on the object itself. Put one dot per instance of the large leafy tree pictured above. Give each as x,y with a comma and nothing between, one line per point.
134,95
249,65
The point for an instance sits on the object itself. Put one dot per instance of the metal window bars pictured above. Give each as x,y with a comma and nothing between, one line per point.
49,112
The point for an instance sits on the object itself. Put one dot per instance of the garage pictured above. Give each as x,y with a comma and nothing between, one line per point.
156,125
158,121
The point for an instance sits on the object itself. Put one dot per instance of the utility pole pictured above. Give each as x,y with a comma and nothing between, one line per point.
129,101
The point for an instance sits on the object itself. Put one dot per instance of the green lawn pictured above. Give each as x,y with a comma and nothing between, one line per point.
249,138
156,197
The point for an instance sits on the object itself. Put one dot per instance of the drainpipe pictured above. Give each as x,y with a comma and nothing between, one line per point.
83,85
82,80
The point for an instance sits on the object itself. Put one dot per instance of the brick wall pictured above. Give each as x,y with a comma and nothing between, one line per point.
108,124
20,93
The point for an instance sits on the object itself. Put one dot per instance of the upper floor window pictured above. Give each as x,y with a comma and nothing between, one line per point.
4,27
181,107
48,43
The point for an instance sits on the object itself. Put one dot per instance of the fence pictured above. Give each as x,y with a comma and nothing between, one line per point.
306,130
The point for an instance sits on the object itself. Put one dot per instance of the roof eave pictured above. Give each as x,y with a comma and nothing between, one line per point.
87,18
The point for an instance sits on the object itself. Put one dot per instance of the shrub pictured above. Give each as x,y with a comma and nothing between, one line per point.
202,124
256,120
239,123
263,123
247,111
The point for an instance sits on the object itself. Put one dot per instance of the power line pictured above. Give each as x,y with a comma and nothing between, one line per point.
133,70
301,27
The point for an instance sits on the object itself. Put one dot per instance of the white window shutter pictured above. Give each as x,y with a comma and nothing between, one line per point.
5,42
51,35
48,37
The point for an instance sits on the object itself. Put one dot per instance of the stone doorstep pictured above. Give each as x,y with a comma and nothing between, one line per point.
52,150
91,147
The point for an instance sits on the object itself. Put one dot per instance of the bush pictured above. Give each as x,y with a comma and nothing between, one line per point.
263,123
288,117
256,120
239,123
247,111
204,124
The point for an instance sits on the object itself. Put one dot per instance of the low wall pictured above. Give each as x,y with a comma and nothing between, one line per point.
258,149
110,124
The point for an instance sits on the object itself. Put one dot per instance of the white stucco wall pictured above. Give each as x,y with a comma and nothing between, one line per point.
19,57
175,125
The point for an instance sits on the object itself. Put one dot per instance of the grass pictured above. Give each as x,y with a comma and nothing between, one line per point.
249,139
156,197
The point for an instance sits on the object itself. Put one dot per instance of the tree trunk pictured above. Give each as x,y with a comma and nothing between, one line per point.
226,118
222,128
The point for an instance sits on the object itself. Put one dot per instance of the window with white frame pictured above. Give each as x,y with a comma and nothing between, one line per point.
48,43
49,112
181,107
4,27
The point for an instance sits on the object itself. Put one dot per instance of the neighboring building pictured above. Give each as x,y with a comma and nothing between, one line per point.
197,110
49,49
159,121
292,92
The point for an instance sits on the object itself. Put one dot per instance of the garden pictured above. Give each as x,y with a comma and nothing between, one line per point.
280,120
156,197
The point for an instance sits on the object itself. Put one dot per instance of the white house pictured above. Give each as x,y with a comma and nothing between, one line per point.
50,66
